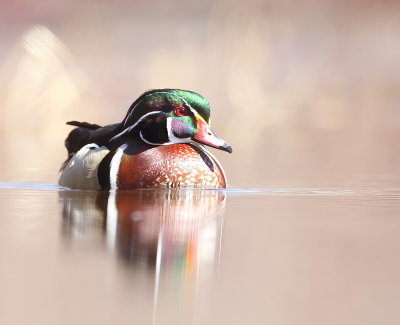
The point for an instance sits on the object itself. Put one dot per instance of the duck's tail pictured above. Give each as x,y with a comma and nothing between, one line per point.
84,125
77,138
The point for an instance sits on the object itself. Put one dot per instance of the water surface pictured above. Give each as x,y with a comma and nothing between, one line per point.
259,256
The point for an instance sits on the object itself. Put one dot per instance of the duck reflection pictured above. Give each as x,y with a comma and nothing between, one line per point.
174,234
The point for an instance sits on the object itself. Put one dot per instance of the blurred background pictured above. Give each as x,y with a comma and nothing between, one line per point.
306,92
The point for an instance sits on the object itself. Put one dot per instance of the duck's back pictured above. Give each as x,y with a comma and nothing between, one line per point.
87,133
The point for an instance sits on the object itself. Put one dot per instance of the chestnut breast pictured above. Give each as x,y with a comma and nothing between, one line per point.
175,165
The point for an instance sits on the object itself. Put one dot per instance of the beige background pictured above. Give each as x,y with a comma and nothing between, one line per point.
306,92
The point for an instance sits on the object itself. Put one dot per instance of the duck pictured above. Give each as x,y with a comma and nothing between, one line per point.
160,143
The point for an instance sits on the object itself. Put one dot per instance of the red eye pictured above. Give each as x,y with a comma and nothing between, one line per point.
181,111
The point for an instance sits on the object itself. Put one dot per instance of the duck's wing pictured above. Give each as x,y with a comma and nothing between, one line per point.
80,171
87,133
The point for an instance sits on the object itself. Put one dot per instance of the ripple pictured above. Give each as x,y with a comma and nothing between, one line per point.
388,192
30,186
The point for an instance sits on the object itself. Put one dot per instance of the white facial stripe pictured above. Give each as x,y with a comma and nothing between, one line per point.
130,114
184,100
134,125
160,92
133,109
157,92
188,105
114,166
171,137
151,143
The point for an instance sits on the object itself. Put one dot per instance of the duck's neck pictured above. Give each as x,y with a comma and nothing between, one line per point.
137,140
147,133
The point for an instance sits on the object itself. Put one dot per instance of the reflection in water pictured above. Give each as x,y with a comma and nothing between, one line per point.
174,234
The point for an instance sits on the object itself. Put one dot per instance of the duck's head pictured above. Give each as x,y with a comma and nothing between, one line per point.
167,116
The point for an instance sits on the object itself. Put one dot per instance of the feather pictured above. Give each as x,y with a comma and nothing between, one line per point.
84,125
81,169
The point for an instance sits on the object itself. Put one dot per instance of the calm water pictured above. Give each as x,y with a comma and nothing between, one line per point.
276,256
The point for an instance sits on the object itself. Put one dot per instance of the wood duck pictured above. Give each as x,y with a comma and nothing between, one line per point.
159,143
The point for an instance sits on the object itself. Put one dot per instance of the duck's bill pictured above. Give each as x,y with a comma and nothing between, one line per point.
205,135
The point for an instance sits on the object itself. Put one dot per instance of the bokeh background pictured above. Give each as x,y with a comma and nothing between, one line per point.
307,92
